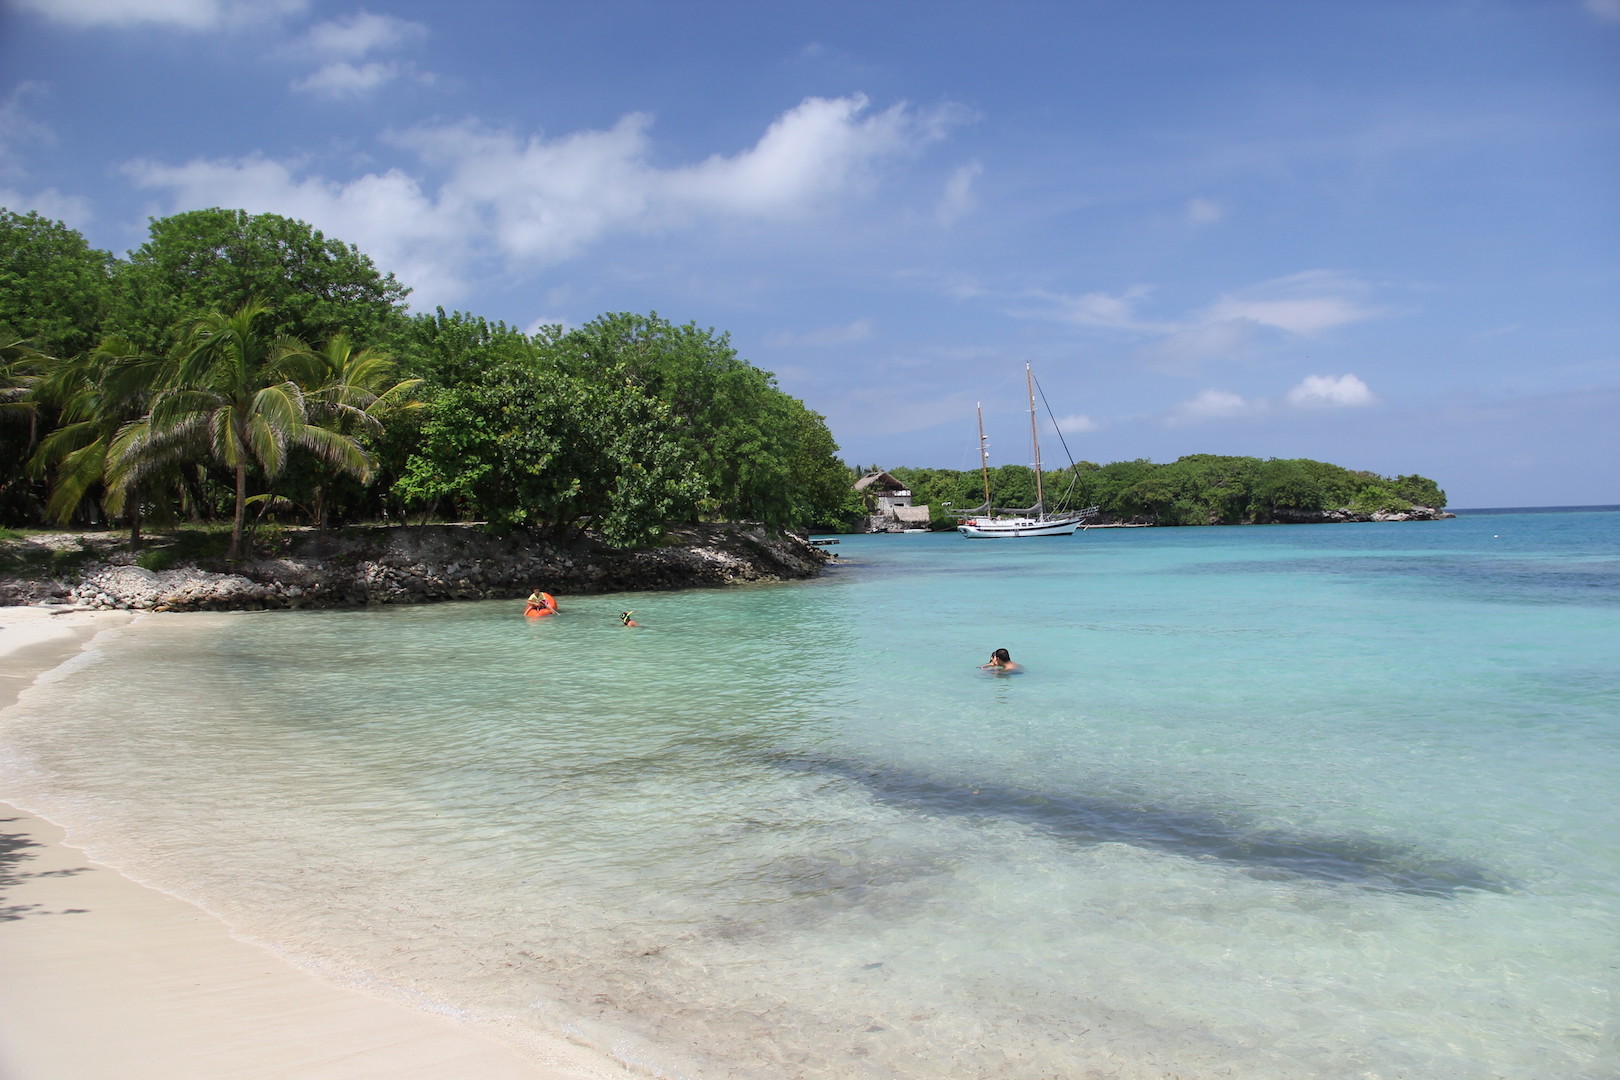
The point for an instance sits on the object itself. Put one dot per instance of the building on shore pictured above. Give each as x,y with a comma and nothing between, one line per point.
890,503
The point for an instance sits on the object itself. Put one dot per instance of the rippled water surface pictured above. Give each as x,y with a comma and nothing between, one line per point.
1335,801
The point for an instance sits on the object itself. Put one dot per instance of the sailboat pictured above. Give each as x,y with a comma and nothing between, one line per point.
996,523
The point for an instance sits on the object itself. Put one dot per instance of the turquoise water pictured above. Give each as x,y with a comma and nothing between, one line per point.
1329,801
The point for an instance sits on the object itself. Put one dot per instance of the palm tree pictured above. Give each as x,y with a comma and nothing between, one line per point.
356,396
20,367
97,395
358,384
19,372
239,396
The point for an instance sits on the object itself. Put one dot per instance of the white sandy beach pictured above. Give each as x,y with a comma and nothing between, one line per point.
103,977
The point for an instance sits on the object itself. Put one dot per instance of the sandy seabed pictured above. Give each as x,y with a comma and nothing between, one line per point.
103,977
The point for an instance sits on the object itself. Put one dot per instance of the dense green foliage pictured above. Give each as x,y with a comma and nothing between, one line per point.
1199,489
525,447
54,288
218,260
239,363
761,455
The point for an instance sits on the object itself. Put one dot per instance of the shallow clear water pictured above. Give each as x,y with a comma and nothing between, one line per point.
1334,801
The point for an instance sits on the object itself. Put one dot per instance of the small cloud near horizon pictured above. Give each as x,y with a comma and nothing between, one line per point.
1078,424
1332,392
1213,404
1302,304
1312,392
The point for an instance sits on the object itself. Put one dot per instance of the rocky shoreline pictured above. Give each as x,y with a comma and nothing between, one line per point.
1314,517
359,567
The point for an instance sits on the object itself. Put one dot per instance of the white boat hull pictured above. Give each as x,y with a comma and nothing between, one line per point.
1009,528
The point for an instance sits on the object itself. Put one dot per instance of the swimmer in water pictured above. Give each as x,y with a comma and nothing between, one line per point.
1001,660
624,617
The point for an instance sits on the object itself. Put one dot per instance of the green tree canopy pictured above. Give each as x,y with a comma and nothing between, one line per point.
444,350
54,288
758,452
554,452
311,286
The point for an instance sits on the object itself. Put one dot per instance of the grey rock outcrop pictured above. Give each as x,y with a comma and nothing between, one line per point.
409,565
1345,514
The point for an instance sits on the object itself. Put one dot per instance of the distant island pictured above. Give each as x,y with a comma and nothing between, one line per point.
1199,489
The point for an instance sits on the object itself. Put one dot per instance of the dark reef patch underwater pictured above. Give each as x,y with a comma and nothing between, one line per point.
1199,834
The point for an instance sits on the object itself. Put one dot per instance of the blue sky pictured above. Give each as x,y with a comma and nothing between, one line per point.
1383,233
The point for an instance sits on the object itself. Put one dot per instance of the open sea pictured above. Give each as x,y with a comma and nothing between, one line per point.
1329,801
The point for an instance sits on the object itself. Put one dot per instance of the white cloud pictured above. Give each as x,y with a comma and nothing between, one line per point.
1314,392
362,34
185,14
1299,316
847,334
1330,391
346,44
1300,305
73,210
1608,10
1303,304
540,202
342,79
1213,405
1202,211
1114,311
820,148
1078,424
958,199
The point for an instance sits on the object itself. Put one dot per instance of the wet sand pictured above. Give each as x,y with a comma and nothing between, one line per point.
102,976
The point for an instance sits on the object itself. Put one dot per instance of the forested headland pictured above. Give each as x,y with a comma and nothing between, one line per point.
1199,489
245,368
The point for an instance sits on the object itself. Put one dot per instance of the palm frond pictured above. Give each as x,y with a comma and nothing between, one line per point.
338,450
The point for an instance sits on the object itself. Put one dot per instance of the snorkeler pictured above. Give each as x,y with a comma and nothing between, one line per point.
1001,660
624,617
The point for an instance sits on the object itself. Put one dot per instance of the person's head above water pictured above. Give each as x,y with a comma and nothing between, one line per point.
1001,656
624,617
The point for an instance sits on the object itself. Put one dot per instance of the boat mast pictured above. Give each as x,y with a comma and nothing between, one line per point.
1035,442
984,460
